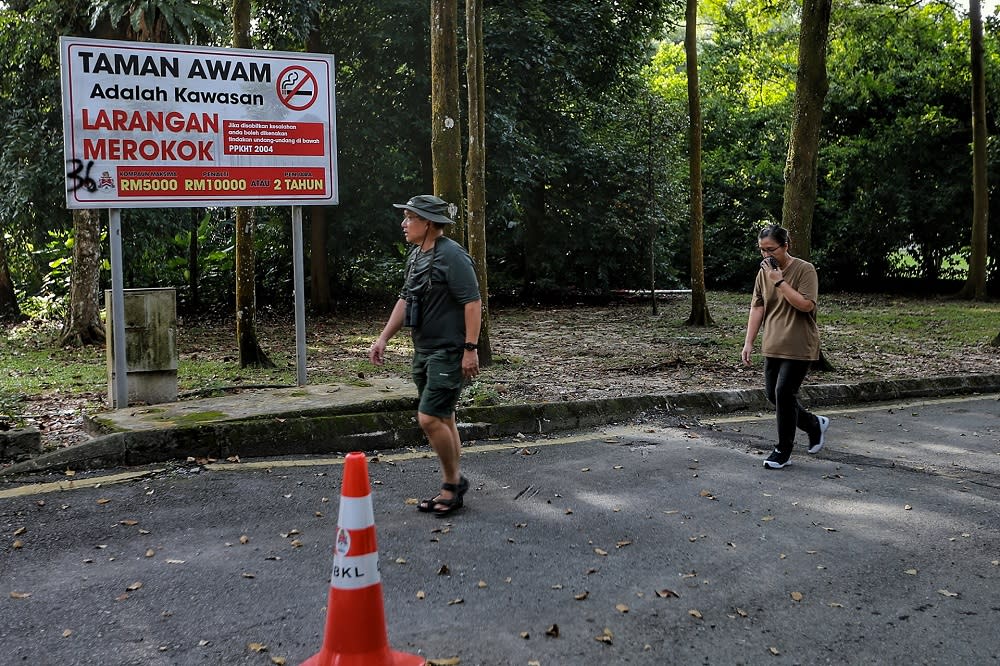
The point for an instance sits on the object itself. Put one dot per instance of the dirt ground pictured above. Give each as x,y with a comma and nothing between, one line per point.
544,354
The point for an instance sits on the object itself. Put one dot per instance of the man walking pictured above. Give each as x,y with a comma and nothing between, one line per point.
441,304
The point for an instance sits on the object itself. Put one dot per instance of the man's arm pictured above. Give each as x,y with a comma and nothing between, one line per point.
376,354
473,322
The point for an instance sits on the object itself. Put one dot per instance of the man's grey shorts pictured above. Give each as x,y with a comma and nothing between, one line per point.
438,376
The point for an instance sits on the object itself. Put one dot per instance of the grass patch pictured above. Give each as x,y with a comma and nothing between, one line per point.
863,335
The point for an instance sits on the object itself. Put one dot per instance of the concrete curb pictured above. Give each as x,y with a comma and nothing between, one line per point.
317,432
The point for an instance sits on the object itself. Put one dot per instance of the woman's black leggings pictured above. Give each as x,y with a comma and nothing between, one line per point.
782,379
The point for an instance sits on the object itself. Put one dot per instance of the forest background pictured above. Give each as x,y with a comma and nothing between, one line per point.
586,142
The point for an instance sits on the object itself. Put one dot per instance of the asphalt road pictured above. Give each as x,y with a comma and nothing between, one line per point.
656,542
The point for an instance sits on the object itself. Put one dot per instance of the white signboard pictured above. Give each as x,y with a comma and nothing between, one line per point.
157,125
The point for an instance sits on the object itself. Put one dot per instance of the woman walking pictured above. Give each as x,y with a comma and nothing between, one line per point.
784,303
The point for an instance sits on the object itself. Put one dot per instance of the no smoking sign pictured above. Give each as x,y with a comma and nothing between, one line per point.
297,88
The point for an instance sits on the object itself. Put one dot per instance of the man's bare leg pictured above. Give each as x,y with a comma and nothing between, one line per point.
442,433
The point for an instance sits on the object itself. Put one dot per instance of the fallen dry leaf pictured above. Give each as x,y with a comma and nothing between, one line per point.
20,530
67,633
525,635
458,600
773,650
444,570
421,594
18,544
666,594
244,539
581,595
103,500
247,574
623,543
767,518
834,604
796,596
134,586
946,593
400,560
19,595
481,584
742,613
129,522
553,631
257,647
150,552
912,572
450,661
907,507
600,552
278,661
695,613
606,637
621,608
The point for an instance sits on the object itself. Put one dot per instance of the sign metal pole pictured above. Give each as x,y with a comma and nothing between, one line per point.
300,296
120,388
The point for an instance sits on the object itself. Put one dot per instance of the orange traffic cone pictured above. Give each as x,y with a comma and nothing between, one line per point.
355,618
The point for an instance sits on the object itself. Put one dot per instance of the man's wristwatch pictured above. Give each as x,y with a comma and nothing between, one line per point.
470,346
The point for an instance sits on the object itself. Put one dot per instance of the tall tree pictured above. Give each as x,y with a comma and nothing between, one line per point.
9,308
975,284
446,132
83,321
699,300
803,145
319,275
251,353
476,168
145,22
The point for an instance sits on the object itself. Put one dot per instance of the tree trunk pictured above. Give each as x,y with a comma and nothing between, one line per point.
194,272
446,131
9,309
651,203
83,323
975,284
699,300
803,144
251,354
476,169
319,275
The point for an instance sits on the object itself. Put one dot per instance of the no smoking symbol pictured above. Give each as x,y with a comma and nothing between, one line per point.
297,88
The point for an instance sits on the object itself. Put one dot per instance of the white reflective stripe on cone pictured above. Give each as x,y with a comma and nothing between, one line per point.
354,573
356,513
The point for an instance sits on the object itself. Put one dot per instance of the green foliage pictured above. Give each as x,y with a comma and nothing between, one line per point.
178,21
586,144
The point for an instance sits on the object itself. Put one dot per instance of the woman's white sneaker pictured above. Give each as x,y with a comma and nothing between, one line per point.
815,445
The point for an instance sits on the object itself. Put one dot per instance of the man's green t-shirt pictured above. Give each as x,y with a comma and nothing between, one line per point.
444,280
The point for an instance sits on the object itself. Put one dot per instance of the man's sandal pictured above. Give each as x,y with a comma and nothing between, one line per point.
456,501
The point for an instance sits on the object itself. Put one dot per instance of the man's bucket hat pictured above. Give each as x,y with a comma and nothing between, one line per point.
428,207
